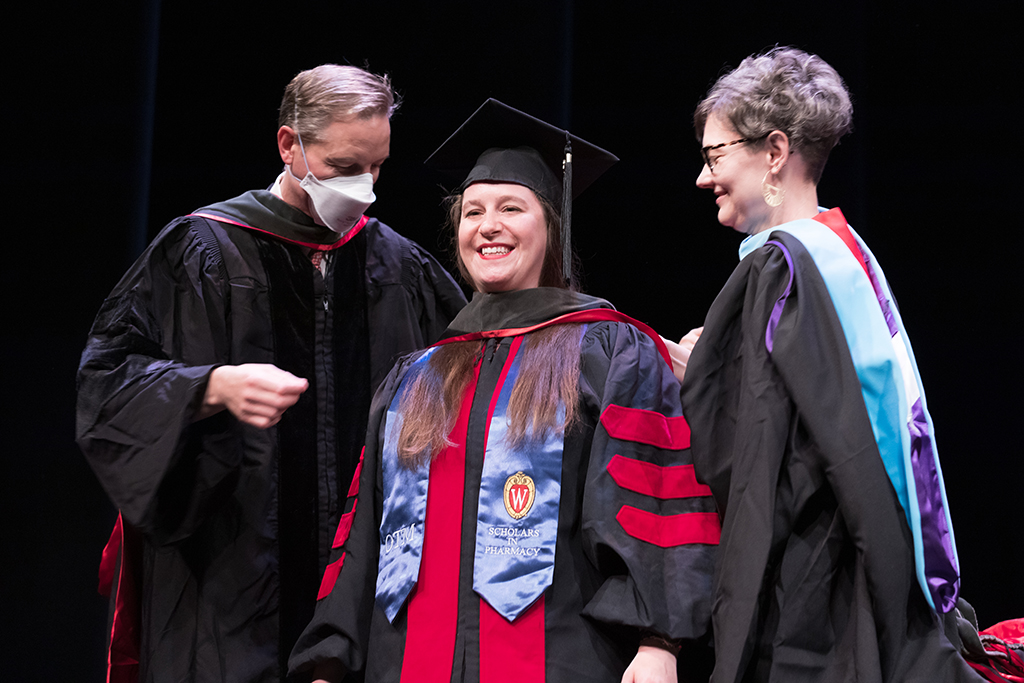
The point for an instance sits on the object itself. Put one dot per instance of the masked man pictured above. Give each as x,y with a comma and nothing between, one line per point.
224,391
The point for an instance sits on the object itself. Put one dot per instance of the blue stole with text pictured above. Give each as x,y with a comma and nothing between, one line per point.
517,518
404,509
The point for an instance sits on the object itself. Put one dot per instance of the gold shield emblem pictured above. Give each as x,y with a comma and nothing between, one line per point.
519,495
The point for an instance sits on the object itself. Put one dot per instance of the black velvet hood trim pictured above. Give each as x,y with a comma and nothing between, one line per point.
272,214
522,308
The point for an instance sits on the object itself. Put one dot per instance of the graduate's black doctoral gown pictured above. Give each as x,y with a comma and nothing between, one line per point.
235,522
613,575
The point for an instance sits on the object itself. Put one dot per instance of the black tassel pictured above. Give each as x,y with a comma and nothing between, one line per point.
567,211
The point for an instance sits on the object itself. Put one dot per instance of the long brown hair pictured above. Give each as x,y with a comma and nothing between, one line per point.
548,377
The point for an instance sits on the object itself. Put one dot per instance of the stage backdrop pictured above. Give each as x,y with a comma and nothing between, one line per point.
125,115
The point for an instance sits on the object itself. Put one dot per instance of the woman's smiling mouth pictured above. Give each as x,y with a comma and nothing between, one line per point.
494,251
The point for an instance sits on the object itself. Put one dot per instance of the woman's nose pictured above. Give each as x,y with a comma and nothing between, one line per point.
490,225
704,180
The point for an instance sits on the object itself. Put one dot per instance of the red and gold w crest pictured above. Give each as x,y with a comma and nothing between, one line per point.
519,495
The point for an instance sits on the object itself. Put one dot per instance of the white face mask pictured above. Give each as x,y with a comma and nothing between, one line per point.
338,202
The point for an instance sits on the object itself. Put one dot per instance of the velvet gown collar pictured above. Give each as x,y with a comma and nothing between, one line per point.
519,309
265,211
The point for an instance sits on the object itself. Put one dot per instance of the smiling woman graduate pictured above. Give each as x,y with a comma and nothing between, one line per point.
526,509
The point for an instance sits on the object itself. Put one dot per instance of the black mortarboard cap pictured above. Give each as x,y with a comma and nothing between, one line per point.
501,144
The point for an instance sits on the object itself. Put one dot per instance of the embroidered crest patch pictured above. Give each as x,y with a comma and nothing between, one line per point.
519,495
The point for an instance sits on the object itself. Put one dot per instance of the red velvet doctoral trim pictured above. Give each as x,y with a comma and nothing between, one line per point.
594,315
345,522
512,351
309,245
677,481
668,531
345,526
512,652
330,577
434,604
836,222
646,426
123,655
353,488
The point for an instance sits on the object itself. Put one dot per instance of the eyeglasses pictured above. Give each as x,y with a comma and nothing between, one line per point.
705,151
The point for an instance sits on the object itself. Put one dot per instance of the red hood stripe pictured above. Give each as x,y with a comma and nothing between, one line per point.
595,315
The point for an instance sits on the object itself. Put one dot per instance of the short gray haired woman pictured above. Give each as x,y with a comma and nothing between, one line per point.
807,412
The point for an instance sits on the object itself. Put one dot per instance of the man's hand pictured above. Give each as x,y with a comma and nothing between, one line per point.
651,665
255,393
680,353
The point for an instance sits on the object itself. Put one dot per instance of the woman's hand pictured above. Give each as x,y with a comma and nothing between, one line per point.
651,665
680,353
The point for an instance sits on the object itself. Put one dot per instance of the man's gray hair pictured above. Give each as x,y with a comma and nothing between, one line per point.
783,89
317,97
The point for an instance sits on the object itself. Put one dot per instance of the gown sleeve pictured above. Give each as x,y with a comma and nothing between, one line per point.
649,526
340,628
141,380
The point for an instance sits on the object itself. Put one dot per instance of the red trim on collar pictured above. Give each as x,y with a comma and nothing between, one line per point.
309,245
594,315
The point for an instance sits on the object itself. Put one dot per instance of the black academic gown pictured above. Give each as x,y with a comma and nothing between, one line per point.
816,577
608,583
237,522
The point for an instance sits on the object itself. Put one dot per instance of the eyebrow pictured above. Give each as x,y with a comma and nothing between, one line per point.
500,199
348,161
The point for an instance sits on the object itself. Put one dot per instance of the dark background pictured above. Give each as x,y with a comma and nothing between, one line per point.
122,115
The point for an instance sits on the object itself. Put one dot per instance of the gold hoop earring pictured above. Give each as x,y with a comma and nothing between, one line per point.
773,194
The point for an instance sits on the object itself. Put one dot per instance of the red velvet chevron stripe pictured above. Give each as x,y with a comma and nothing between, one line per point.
345,523
353,488
667,531
330,577
646,426
344,526
677,481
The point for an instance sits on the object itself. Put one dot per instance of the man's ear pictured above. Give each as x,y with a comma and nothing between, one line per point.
777,148
286,140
